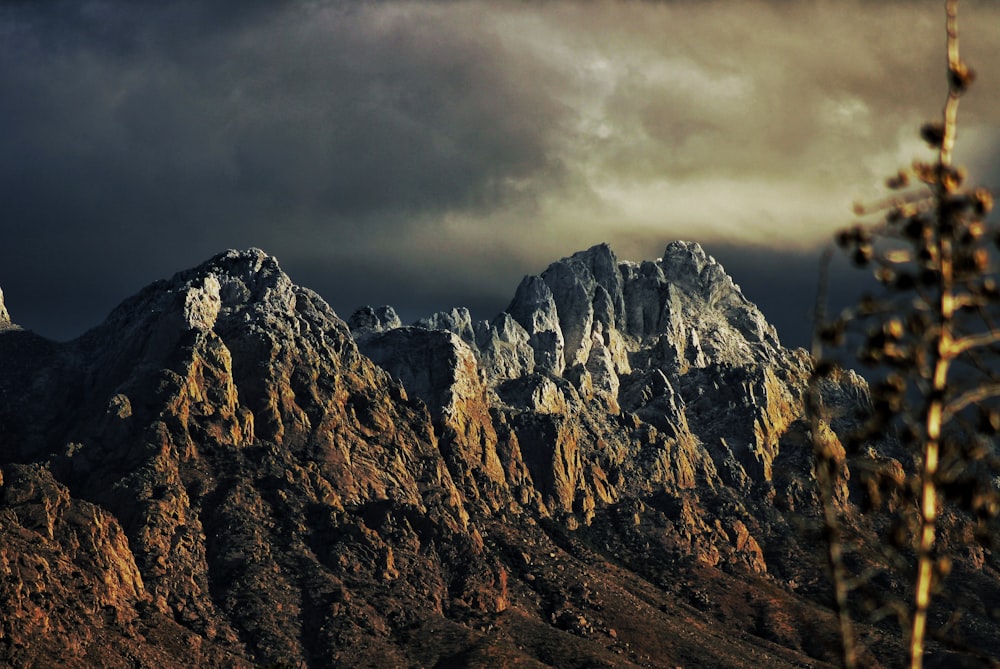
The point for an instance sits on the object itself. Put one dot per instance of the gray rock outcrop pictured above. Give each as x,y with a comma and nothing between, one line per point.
673,341
534,307
373,320
458,321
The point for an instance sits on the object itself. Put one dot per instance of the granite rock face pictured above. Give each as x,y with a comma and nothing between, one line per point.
372,320
672,341
228,422
225,473
617,379
438,368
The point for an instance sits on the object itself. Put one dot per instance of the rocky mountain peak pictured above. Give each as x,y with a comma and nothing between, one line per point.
246,284
458,320
534,308
368,321
707,285
601,324
642,338
249,283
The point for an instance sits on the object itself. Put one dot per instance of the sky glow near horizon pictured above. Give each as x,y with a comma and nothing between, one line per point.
429,154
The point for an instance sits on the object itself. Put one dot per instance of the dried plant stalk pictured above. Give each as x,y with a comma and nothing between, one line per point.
930,253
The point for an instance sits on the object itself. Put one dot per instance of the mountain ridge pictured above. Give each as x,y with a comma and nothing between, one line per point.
614,471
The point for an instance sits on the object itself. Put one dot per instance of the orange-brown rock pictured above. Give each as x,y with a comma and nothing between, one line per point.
614,472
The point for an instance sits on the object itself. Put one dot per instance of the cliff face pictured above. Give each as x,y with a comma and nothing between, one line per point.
595,357
229,424
225,473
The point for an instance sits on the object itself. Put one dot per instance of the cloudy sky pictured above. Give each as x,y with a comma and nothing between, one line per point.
429,154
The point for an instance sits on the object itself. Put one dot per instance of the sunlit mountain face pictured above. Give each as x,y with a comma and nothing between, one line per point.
615,469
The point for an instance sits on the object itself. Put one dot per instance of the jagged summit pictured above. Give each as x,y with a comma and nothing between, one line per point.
237,295
644,338
246,282
372,320
592,318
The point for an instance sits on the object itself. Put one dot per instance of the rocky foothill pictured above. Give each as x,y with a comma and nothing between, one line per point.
614,472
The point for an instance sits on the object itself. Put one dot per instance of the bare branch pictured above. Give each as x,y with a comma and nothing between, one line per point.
969,342
980,393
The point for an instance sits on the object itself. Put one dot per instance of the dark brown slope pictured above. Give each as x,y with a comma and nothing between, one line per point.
217,476
226,420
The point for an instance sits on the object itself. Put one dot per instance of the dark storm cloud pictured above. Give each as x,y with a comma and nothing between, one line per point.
427,154
349,109
154,135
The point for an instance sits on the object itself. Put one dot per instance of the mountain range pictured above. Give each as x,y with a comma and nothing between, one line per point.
616,471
